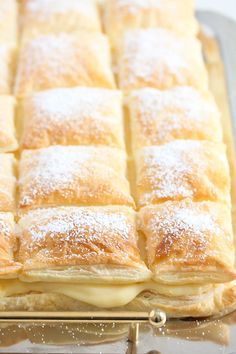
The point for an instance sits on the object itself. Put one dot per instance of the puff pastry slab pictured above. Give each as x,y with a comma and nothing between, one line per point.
50,17
158,117
160,59
73,175
182,169
8,267
93,244
7,54
8,22
77,116
64,60
189,242
8,141
122,15
7,182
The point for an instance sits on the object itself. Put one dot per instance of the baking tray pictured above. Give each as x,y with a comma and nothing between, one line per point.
134,333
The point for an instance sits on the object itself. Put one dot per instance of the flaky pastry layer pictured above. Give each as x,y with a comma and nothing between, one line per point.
182,169
189,242
97,244
8,267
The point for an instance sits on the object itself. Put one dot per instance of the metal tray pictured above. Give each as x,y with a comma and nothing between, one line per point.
134,333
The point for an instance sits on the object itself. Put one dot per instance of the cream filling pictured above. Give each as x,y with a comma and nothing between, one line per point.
106,296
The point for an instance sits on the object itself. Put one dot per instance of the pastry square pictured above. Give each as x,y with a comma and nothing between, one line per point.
6,68
160,59
73,116
158,117
81,244
64,60
8,22
53,16
123,15
8,141
7,182
189,242
8,267
73,175
182,169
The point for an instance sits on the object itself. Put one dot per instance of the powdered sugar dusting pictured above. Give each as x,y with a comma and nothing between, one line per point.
44,9
73,175
77,116
178,170
53,55
160,58
80,223
6,226
184,226
61,103
162,116
149,51
79,236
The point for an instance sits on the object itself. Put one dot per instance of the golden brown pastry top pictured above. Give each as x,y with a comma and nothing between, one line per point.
44,17
182,169
64,60
73,116
63,237
176,15
158,117
160,59
73,175
8,267
189,242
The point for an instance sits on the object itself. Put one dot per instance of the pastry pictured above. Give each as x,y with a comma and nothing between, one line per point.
122,15
182,169
8,22
160,59
8,141
8,267
158,117
53,16
64,60
7,182
189,242
90,244
73,175
73,116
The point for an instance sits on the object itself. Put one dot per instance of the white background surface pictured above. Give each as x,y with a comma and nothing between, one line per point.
228,7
